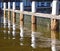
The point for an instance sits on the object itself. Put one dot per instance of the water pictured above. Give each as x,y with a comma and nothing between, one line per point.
42,40
7,43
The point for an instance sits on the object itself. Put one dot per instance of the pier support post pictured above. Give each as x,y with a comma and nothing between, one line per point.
14,19
33,18
4,15
33,26
21,19
9,19
55,11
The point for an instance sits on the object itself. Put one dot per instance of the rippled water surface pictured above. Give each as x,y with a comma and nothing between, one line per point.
42,40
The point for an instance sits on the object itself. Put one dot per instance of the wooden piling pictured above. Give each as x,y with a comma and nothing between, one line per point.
4,15
9,19
54,24
33,26
14,19
21,19
55,11
33,18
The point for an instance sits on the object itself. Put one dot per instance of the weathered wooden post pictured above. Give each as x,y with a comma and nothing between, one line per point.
21,19
9,19
14,19
54,24
4,18
33,19
55,11
4,15
54,37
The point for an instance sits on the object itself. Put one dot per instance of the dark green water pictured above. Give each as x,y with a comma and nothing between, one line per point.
44,38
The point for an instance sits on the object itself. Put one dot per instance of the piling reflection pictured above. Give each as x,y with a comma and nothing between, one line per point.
9,33
21,35
4,22
5,34
9,26
54,38
33,41
21,32
13,33
21,41
24,42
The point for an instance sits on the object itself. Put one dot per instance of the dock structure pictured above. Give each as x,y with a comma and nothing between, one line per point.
54,16
33,18
55,11
21,19
14,20
33,27
4,15
9,19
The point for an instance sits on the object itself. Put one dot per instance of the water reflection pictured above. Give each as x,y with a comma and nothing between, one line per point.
54,38
5,26
14,31
9,28
13,34
21,35
9,33
33,43
5,34
5,22
21,41
21,31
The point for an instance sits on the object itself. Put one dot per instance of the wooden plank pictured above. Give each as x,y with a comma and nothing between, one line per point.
50,16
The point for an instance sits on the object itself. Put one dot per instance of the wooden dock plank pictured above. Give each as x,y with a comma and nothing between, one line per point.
43,15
